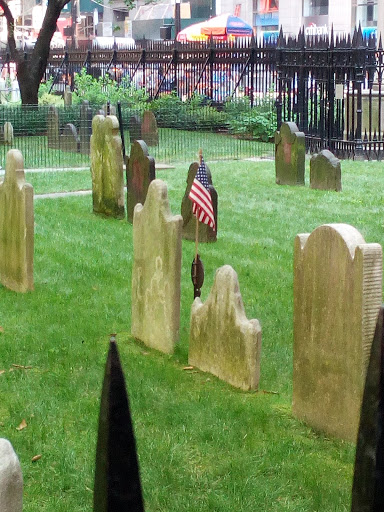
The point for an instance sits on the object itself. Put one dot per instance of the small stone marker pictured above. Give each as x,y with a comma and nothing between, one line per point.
67,96
325,171
107,167
135,128
156,271
11,479
70,140
149,130
222,341
8,133
290,155
140,173
85,130
337,296
16,226
53,133
206,233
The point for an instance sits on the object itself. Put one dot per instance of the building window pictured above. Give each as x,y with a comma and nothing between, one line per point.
366,13
315,7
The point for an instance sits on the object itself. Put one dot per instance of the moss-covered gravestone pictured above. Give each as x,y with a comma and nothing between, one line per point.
140,172
337,296
290,155
206,233
107,167
85,130
53,133
149,130
8,133
156,271
325,171
222,340
16,226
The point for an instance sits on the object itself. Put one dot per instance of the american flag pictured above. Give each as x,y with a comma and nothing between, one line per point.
201,198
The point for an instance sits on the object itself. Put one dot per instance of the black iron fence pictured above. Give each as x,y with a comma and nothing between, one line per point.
331,86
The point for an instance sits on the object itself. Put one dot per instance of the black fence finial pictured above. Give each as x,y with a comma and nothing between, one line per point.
117,479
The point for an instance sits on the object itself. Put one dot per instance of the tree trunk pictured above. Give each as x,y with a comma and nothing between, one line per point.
28,83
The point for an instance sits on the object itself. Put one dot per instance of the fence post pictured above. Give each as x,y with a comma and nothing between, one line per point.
360,53
278,102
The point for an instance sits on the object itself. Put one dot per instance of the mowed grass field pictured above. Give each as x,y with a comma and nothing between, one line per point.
202,444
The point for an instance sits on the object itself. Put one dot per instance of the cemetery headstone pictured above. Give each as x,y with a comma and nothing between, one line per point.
290,155
140,172
325,171
85,130
156,270
16,226
67,96
11,479
206,233
69,139
222,340
8,133
337,295
107,167
149,130
135,128
53,132
109,108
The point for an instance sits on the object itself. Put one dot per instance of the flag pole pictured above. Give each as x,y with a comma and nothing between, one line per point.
197,219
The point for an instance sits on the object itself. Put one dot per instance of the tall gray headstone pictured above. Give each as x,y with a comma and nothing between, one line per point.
67,96
53,132
85,130
11,479
140,172
290,155
206,233
149,130
156,271
69,140
16,226
8,133
337,296
325,171
222,341
107,167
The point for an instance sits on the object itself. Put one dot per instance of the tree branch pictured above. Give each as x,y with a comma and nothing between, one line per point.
11,30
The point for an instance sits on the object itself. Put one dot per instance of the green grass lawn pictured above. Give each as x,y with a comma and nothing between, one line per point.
202,444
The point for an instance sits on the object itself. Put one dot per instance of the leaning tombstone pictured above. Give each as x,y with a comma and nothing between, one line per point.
69,140
8,133
107,167
222,340
53,132
140,170
134,128
206,233
149,130
117,478
156,272
11,479
85,130
290,155
337,295
16,226
67,96
325,171
368,480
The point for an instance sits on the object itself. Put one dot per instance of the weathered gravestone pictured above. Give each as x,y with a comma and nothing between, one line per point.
109,109
206,233
16,226
140,170
149,130
337,295
135,128
11,479
325,171
156,271
53,132
8,133
107,167
69,140
67,96
85,130
222,341
290,155
368,480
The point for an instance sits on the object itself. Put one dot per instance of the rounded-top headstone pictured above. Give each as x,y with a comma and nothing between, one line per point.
11,479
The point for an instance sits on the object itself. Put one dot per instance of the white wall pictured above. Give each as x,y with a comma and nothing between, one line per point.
340,14
290,16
